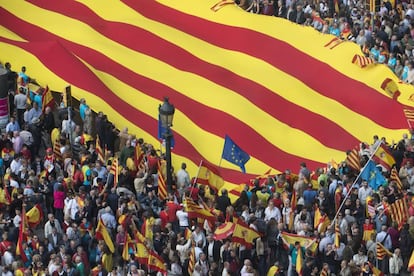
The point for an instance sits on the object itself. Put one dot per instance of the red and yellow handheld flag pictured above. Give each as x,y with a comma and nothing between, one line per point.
243,234
34,216
304,241
196,211
162,183
210,175
104,234
191,261
156,263
115,171
382,252
22,238
384,157
399,212
47,99
98,149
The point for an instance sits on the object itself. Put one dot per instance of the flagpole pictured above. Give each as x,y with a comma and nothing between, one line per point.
196,177
353,184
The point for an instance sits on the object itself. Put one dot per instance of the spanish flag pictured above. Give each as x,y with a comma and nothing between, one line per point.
125,250
209,174
34,216
142,251
47,99
22,238
103,232
224,231
384,157
147,228
304,241
243,234
156,263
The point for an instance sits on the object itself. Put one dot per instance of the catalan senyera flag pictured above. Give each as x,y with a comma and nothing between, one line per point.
399,212
304,241
382,252
395,177
56,150
47,99
352,159
194,64
362,61
139,156
384,157
98,149
196,211
243,234
22,238
191,261
115,171
103,232
34,216
162,182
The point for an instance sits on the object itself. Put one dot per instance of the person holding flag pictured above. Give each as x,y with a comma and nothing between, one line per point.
297,254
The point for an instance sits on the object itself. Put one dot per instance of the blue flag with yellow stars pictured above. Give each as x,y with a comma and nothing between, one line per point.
234,154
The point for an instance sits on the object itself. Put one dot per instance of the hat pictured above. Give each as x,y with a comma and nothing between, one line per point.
35,120
49,150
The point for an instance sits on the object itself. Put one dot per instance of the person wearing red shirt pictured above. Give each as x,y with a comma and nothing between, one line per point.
172,208
164,217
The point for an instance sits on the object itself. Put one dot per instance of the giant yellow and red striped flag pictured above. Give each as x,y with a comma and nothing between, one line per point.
209,77
399,212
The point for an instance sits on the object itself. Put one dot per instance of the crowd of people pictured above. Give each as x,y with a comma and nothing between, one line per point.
62,161
385,35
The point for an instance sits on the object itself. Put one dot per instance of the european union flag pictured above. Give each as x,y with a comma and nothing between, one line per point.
162,130
373,175
234,154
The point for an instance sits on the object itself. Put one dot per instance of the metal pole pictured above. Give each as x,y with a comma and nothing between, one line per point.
353,184
168,136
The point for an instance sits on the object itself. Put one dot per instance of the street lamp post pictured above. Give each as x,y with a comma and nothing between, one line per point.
166,112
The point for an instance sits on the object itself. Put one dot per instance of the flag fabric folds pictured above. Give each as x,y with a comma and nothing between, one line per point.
99,151
224,231
125,250
409,115
362,61
234,154
352,159
34,216
191,261
303,240
391,88
411,262
384,157
103,232
299,261
56,150
156,263
382,252
399,212
373,175
337,239
105,47
162,182
47,99
395,177
243,234
209,174
22,237
196,211
114,170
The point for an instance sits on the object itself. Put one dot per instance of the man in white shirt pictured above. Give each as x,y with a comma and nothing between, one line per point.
13,125
272,212
17,219
52,222
20,102
183,178
182,217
